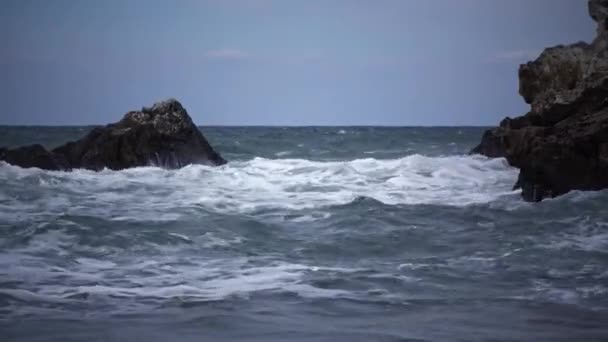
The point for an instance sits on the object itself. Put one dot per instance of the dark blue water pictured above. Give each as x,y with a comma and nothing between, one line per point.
308,234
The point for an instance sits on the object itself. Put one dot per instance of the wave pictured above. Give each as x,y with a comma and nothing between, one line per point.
201,280
258,184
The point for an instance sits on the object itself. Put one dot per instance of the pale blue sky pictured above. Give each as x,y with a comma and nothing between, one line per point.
276,62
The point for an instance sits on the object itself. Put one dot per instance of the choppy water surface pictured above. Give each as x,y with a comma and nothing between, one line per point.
308,234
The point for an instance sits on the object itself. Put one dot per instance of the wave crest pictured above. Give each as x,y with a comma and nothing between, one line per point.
263,184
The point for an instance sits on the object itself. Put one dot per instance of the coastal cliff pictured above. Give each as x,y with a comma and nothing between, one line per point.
562,143
162,135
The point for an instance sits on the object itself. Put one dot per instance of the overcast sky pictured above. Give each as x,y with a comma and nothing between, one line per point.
276,62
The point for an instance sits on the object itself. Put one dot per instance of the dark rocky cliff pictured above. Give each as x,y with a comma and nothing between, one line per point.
162,135
562,143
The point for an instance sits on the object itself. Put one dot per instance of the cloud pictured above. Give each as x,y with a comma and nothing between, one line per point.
516,55
228,55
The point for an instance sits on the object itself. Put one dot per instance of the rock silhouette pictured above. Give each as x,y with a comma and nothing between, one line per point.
562,143
162,135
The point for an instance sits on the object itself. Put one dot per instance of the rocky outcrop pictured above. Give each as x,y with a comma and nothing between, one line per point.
562,143
34,156
162,135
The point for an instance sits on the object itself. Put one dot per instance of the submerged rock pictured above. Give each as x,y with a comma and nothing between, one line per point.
162,135
562,143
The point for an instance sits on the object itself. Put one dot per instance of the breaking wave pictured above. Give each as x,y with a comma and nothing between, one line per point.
257,185
421,231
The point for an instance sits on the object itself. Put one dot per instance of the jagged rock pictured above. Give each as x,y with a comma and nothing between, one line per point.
162,135
599,12
562,143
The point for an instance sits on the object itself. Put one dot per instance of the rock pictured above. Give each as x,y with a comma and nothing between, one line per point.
34,156
562,143
599,12
162,135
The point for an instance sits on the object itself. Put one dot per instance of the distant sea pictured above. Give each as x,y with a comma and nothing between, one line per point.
307,234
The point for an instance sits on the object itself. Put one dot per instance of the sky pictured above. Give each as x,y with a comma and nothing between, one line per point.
276,62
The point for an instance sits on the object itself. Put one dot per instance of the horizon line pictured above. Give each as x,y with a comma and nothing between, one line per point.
263,126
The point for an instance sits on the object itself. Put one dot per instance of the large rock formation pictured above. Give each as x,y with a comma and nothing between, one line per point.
163,135
34,156
562,143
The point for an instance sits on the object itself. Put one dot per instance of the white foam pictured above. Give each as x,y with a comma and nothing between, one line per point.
282,153
262,184
203,280
548,291
211,240
94,263
580,240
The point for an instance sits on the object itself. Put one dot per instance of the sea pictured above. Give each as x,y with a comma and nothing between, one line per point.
307,234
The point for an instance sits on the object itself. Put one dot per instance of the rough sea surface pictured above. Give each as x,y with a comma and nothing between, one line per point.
307,234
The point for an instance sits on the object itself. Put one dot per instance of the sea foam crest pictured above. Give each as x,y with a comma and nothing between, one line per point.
264,184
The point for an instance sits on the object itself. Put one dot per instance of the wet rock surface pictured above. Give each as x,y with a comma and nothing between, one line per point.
562,143
162,135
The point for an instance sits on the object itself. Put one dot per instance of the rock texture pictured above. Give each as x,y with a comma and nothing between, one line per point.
162,135
562,143
34,156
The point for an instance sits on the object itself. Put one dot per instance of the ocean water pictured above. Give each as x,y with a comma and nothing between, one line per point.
307,234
